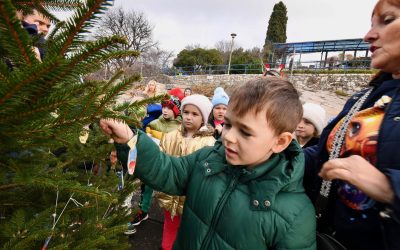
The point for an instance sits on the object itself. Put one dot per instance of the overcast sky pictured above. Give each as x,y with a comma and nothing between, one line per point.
178,23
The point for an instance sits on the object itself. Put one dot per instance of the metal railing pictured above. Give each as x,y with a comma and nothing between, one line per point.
297,66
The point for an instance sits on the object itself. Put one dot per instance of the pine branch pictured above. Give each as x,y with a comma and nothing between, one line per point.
32,112
112,80
57,5
55,30
80,22
37,4
94,62
9,186
115,91
66,72
29,77
91,48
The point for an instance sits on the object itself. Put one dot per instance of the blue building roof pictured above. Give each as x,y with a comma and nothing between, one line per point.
322,46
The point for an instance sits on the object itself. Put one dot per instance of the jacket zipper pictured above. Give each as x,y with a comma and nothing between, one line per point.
218,210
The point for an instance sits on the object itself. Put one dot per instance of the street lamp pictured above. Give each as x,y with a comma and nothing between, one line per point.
233,35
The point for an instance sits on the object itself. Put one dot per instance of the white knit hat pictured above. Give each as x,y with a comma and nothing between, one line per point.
202,103
316,115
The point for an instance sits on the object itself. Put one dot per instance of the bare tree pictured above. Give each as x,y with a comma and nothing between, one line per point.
132,25
158,57
224,47
193,46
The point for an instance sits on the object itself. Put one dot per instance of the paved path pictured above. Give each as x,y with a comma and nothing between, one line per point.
149,232
332,103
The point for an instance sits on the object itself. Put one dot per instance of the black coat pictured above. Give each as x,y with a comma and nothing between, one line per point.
388,161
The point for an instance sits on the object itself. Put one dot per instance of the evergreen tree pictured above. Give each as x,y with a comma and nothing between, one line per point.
50,143
198,58
276,32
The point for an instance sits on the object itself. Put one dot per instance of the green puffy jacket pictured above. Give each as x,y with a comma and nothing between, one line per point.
165,126
230,207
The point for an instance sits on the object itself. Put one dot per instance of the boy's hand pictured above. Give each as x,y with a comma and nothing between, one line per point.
119,131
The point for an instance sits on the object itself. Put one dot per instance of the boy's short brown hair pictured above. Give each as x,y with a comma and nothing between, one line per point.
277,96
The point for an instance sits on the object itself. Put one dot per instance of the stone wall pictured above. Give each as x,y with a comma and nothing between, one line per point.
348,83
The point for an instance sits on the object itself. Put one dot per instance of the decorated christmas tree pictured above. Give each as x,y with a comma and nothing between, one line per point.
57,188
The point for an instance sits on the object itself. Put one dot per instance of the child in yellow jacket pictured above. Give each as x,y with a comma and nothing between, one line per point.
194,134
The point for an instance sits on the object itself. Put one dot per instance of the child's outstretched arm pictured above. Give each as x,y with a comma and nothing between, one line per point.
119,131
158,170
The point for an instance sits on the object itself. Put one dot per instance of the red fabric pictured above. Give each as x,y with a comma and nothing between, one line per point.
177,92
218,122
170,230
171,105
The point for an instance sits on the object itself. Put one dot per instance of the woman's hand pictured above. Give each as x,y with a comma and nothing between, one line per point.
362,174
119,131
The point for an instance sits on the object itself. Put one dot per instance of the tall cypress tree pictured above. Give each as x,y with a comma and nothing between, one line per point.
276,32
49,137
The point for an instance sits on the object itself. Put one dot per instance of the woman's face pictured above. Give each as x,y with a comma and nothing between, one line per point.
152,86
384,37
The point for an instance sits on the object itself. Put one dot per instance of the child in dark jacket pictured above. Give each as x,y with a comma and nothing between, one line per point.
246,191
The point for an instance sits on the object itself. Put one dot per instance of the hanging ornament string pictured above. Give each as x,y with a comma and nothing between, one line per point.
55,210
122,176
108,210
55,221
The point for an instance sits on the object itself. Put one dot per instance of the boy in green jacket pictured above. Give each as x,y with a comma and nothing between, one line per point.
245,192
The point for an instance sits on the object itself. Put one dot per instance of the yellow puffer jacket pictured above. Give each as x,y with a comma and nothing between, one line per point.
173,143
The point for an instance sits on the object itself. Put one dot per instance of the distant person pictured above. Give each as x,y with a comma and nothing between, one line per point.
35,24
151,89
177,92
188,91
310,127
246,191
42,23
220,102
